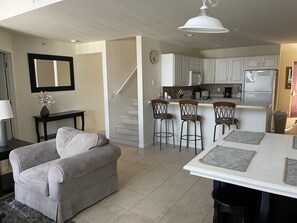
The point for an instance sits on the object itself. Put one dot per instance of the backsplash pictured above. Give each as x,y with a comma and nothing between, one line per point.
215,90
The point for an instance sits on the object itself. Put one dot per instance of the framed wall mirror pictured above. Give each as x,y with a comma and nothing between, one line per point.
50,72
289,76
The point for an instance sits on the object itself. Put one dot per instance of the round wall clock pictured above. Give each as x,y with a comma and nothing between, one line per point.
154,56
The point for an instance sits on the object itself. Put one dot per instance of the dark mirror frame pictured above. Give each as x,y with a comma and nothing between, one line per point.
288,77
34,88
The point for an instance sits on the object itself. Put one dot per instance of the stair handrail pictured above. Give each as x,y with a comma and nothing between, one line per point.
126,81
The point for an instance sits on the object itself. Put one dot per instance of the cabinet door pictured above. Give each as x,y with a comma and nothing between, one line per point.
208,71
177,70
252,63
235,70
269,62
185,70
168,70
194,64
222,71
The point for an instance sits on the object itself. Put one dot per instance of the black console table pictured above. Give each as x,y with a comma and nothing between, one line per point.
54,117
6,180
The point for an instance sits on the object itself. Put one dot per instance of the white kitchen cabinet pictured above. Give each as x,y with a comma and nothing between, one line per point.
185,70
236,70
208,71
195,64
222,71
171,69
229,70
261,62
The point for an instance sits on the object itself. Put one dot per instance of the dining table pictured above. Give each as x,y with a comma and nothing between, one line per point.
262,161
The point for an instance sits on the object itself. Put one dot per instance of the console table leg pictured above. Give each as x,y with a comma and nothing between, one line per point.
74,120
83,122
45,130
37,130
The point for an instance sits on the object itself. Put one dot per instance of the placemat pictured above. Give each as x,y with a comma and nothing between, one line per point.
245,137
228,157
290,176
295,142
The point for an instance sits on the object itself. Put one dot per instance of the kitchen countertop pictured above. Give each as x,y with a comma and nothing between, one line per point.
239,104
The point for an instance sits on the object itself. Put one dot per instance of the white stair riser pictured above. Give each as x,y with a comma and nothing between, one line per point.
132,112
129,120
127,131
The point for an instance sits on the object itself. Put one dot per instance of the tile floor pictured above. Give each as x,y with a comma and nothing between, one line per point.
154,188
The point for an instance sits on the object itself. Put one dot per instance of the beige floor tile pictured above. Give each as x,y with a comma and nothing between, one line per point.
125,198
168,193
153,208
182,179
102,212
209,217
180,214
144,186
132,217
137,169
78,220
125,179
123,164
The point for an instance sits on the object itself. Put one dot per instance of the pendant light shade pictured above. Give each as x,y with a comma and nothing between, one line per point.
204,23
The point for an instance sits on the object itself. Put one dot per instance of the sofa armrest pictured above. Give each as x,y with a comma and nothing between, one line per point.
83,163
28,156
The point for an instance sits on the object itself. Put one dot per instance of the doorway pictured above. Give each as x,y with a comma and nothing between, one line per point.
293,100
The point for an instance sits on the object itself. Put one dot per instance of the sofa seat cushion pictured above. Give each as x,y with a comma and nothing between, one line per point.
36,178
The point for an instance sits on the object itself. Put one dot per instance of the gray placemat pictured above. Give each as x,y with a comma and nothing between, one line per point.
295,142
228,157
245,137
290,176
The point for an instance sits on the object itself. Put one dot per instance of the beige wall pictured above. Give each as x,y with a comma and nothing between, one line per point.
84,97
5,42
288,54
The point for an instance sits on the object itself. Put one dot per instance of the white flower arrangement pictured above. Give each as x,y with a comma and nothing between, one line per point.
45,98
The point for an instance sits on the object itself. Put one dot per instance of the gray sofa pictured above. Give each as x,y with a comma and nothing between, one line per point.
60,188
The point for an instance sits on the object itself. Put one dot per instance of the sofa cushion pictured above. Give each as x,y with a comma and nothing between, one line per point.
36,178
70,141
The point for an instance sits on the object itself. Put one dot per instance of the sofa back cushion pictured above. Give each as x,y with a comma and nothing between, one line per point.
70,141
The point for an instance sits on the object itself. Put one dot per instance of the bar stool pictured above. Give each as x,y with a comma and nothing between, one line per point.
160,113
188,113
224,115
233,204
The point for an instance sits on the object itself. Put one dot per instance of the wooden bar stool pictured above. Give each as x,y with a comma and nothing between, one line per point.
160,113
224,115
188,113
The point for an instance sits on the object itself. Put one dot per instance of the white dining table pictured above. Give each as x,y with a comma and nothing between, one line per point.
265,171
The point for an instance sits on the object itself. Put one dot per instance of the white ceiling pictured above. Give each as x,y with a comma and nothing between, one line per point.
259,22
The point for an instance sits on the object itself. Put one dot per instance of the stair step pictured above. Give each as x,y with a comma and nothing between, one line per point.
135,102
132,111
127,128
130,119
125,139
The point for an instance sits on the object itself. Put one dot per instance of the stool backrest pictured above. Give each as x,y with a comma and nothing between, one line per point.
224,110
159,107
188,108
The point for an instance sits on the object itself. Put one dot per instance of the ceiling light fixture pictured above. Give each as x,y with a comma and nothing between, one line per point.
204,22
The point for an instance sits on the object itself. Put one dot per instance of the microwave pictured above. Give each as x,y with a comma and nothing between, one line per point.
195,78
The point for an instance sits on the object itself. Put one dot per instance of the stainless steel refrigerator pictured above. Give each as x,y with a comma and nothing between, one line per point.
260,86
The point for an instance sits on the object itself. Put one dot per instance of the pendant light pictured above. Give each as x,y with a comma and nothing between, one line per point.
204,23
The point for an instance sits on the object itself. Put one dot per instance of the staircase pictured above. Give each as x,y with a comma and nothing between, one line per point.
126,132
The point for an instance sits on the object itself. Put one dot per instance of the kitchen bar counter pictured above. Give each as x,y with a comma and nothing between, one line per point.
252,116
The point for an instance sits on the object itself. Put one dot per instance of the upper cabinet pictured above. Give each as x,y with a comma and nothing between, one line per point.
261,62
229,70
209,71
176,69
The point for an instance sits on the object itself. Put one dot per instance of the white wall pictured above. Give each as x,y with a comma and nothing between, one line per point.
27,106
242,51
121,61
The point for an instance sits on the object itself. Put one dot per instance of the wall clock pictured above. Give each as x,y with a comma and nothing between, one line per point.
154,56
